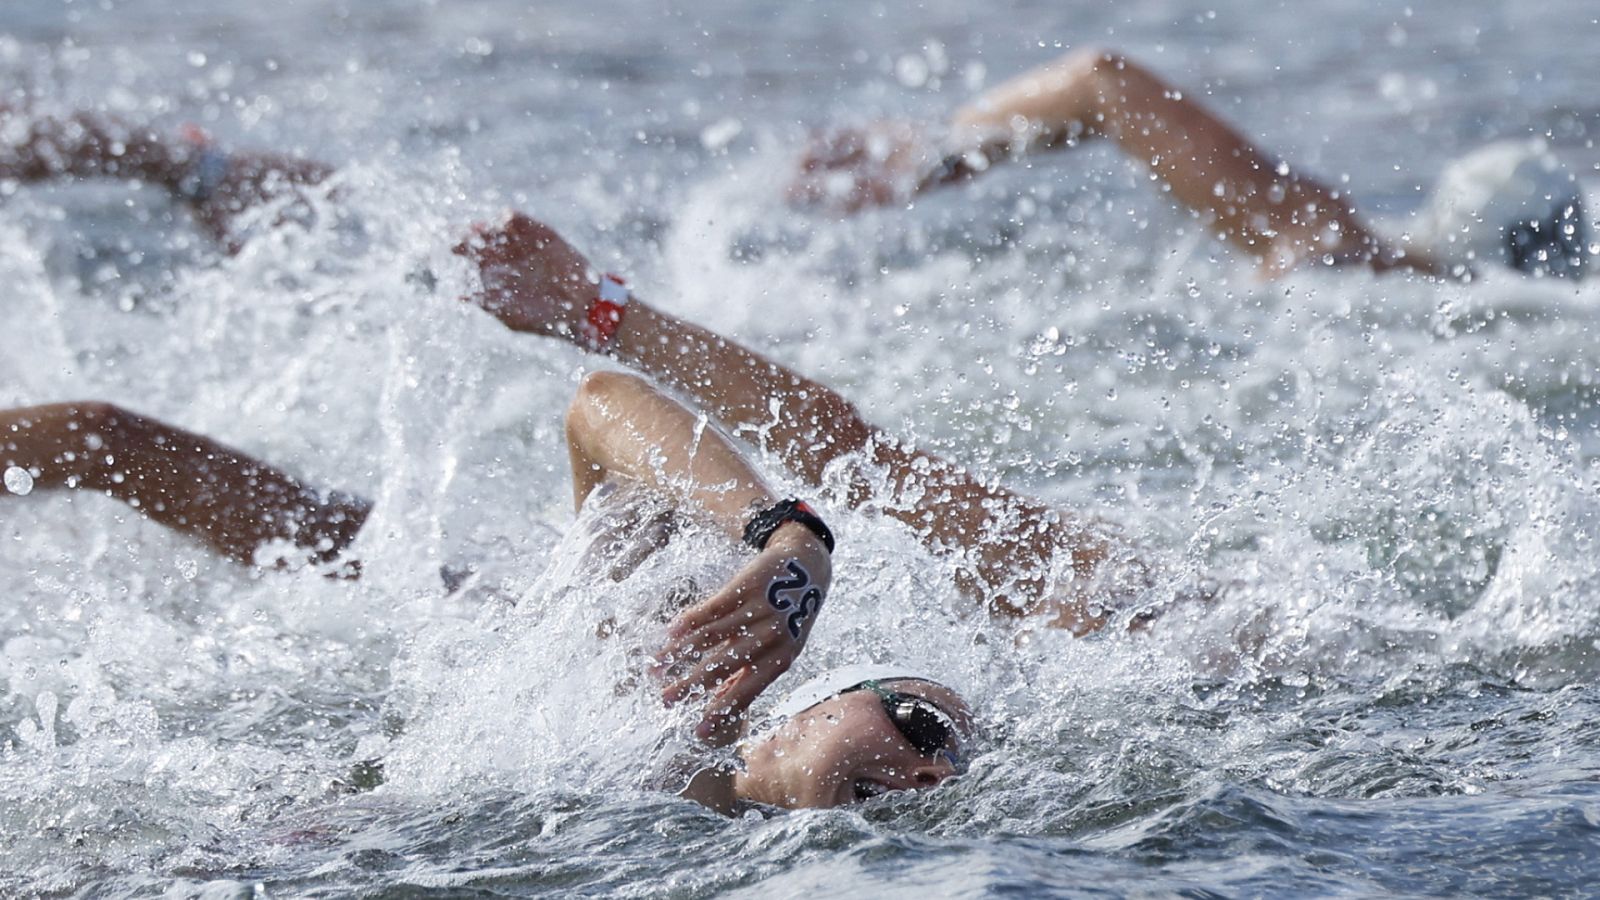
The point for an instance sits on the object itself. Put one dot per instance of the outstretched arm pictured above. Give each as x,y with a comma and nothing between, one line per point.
535,282
1253,200
40,148
216,185
228,501
1010,540
738,641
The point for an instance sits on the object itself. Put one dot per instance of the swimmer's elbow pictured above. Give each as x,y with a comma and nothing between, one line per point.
601,385
97,414
1094,61
596,392
1101,72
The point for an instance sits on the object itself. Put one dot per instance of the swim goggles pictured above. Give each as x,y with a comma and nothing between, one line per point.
921,722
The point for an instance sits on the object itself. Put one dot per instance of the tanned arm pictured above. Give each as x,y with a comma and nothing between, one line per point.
535,282
739,640
223,498
217,186
1255,201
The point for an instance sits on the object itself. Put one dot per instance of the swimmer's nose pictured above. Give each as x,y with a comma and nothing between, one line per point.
934,771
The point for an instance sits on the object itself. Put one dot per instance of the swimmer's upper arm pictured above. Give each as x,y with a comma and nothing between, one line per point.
225,498
621,424
1009,543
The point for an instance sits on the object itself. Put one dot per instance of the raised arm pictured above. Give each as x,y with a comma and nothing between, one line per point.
40,148
217,186
1010,541
1251,199
739,640
223,498
537,283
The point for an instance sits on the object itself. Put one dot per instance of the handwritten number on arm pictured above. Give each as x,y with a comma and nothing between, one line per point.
795,597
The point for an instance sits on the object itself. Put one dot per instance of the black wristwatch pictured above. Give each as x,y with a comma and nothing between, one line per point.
761,526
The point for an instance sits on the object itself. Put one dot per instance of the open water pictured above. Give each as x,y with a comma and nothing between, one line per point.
1396,695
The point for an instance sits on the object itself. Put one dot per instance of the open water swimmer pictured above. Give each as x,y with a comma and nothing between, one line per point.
826,449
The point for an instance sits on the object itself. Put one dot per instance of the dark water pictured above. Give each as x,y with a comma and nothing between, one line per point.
1396,696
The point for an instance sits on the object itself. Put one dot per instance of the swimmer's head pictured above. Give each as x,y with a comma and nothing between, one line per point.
1511,203
853,734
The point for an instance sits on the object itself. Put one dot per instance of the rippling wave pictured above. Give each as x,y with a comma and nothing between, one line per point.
1394,481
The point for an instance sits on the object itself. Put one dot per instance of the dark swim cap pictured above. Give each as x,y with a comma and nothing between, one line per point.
1511,203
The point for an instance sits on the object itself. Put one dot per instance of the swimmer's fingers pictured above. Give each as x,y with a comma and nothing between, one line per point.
473,246
517,236
737,614
725,711
743,596
484,242
250,179
718,606
694,640
531,279
846,170
747,648
716,648
834,148
759,621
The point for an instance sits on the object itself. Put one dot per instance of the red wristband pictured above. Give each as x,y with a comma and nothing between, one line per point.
605,312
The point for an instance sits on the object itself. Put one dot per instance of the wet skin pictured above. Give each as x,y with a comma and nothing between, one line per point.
846,749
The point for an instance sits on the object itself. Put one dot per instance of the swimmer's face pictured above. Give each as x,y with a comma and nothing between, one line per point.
846,749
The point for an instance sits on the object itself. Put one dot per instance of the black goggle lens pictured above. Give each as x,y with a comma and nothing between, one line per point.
1556,245
922,724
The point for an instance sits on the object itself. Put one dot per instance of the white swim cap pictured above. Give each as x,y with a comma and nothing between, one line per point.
1511,203
837,681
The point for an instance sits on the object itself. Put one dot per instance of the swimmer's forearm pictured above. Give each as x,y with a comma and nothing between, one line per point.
810,426
1041,107
1009,539
536,282
619,424
807,424
1250,198
734,643
1100,93
87,146
185,481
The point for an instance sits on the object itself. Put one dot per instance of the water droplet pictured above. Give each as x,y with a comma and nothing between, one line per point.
912,71
18,481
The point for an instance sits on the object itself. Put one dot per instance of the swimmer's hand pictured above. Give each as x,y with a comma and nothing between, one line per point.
738,641
847,169
533,280
219,187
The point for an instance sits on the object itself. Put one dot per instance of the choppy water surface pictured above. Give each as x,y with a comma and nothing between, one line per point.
1397,695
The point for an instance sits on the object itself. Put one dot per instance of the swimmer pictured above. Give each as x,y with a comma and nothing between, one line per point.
217,186
1511,204
1017,556
849,736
